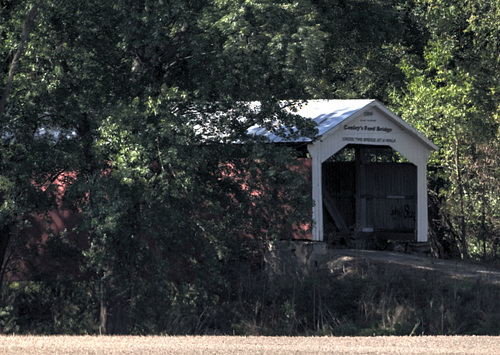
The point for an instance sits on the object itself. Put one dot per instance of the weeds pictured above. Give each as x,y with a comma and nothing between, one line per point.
358,299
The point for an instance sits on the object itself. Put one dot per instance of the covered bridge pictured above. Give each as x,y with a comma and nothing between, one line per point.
369,170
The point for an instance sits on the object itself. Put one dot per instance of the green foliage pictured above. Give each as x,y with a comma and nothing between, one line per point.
136,107
48,307
450,99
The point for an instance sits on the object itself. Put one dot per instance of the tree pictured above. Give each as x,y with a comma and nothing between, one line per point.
25,170
162,138
130,117
449,98
30,17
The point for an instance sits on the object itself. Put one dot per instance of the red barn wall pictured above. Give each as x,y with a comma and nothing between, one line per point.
33,258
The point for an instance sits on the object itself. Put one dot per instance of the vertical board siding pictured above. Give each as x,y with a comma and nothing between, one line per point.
390,195
339,180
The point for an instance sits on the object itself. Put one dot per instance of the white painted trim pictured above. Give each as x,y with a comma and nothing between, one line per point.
407,141
422,222
320,151
317,193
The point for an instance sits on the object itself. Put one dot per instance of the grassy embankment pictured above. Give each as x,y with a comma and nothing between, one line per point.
344,297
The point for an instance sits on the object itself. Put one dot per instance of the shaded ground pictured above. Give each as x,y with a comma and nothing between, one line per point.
454,268
57,345
286,257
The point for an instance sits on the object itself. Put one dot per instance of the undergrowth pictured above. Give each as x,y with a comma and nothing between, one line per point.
357,299
380,299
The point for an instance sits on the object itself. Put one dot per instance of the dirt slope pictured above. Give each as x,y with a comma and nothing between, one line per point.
455,268
286,257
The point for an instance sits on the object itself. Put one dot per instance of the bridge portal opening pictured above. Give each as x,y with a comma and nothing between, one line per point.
369,192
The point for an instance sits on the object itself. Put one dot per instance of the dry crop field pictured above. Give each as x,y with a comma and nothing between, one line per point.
156,345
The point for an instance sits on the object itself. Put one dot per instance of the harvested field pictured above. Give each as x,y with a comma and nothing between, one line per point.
156,345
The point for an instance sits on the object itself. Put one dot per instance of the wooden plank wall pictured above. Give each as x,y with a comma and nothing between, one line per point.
390,195
339,180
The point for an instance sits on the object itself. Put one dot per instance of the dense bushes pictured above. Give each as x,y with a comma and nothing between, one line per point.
55,307
355,299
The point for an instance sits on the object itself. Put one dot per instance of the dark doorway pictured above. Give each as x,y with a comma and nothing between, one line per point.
369,190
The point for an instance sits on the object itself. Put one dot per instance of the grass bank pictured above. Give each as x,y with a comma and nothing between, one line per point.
345,297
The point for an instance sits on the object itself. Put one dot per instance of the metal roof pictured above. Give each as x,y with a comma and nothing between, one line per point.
325,113
329,114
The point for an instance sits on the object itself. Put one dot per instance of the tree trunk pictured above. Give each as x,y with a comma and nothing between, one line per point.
103,315
5,236
20,49
461,192
113,315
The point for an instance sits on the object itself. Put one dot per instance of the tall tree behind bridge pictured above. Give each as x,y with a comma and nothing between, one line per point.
452,96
